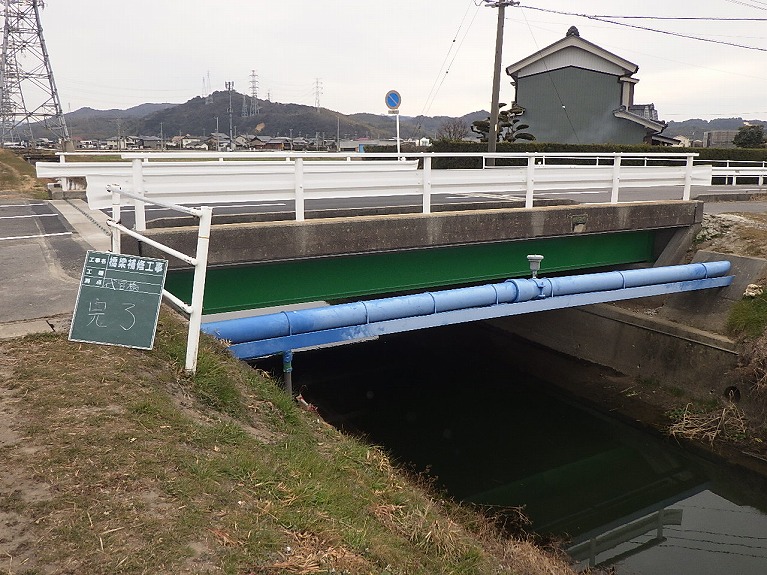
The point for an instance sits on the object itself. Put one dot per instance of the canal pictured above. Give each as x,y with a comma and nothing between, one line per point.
455,404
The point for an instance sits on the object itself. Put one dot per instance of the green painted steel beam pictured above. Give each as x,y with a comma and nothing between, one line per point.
335,278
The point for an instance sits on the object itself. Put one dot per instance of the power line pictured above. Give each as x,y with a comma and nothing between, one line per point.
762,6
433,93
645,28
707,18
437,83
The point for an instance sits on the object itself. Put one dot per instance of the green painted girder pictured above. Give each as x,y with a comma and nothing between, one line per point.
335,278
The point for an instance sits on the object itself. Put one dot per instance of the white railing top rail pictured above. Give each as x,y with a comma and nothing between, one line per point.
166,155
310,176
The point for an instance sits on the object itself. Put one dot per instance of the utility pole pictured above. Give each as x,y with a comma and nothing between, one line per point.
492,139
230,87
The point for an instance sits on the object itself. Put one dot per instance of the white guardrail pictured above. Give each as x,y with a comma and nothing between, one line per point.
199,262
192,178
732,170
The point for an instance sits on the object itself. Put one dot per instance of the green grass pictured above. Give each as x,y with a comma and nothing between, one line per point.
145,469
748,317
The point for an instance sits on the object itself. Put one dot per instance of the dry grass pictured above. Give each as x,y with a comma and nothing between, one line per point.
743,234
18,178
726,422
113,461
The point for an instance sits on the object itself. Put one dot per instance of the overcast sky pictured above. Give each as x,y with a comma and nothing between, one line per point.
118,53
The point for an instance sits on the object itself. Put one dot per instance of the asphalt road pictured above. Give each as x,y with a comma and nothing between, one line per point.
281,210
41,258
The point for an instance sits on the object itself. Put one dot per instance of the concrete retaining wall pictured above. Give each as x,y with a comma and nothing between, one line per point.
637,345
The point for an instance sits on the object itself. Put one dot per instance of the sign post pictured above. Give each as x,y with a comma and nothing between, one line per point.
118,301
393,100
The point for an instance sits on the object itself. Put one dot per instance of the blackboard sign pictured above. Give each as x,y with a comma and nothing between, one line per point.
119,300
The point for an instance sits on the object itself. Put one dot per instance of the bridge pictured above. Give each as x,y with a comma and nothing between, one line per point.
412,226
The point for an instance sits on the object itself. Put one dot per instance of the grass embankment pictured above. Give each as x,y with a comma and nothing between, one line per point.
113,461
18,177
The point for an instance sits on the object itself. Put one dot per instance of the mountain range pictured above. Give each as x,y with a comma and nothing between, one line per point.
203,116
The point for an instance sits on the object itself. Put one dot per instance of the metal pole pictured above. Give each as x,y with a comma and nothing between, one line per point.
198,289
398,145
530,181
299,188
427,185
287,370
616,179
116,247
688,178
138,189
230,86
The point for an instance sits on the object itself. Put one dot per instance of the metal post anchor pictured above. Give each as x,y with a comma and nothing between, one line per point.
287,370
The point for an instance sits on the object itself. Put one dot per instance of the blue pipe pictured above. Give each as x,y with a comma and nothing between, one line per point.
290,323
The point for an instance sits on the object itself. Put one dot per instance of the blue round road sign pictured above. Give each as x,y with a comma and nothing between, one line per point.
393,99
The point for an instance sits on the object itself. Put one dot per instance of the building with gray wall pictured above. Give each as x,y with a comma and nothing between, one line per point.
575,92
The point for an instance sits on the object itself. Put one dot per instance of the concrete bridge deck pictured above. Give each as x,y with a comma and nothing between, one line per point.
262,264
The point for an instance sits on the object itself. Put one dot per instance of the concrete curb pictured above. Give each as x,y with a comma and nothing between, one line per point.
16,329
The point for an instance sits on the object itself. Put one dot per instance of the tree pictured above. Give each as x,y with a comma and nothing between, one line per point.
509,127
453,130
749,137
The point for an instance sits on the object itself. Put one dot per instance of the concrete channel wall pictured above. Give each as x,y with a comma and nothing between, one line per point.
644,347
676,342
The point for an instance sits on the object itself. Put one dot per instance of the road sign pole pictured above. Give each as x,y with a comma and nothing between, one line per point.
398,145
393,100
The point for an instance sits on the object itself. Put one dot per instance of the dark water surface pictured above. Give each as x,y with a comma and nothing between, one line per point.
448,403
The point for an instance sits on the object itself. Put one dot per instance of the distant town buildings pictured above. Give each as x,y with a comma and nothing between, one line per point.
719,138
244,142
575,92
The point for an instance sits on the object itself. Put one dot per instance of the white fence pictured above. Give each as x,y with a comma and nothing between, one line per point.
732,170
199,262
195,178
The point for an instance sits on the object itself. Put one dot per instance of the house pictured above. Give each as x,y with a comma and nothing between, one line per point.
218,141
149,142
719,138
574,92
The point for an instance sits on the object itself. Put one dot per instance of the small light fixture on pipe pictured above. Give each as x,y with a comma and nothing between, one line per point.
535,264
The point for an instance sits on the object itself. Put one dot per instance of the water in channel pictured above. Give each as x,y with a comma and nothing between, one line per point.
453,403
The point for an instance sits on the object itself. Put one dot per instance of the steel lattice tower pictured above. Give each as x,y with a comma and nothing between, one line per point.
28,92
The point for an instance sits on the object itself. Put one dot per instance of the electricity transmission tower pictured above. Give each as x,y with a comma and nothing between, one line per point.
28,94
317,93
254,108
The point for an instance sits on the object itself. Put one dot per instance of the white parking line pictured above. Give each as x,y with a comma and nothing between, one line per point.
28,216
36,236
18,205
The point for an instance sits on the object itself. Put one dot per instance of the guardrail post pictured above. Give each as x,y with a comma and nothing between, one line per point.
530,181
198,289
116,247
616,179
427,184
138,189
298,166
688,179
